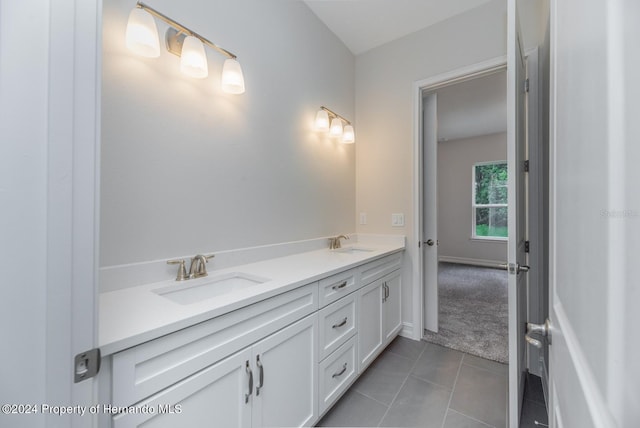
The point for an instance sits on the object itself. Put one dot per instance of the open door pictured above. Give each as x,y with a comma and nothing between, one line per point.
429,242
594,215
516,155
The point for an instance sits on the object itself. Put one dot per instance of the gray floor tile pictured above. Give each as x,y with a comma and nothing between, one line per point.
531,412
458,420
494,366
419,404
407,348
354,410
384,378
438,364
482,395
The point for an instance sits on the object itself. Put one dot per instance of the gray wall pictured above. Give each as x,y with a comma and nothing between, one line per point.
189,169
384,106
455,163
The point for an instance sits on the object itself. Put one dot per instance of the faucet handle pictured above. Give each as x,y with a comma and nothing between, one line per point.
182,271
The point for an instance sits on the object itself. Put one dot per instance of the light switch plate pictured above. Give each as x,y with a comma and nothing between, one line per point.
397,220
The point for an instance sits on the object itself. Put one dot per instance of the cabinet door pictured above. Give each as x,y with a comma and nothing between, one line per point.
215,396
392,306
370,323
286,376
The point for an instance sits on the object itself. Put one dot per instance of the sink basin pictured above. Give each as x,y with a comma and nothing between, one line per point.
187,294
352,250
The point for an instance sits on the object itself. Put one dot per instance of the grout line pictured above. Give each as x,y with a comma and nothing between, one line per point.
402,386
473,419
455,383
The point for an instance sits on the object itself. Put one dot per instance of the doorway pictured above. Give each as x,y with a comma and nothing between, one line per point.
469,225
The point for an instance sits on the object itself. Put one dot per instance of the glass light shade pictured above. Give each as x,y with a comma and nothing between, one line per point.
348,135
232,77
322,120
336,127
142,34
193,60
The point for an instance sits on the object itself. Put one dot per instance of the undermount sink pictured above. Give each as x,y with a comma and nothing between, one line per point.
352,250
187,294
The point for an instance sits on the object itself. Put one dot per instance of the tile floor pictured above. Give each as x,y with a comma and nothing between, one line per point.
422,384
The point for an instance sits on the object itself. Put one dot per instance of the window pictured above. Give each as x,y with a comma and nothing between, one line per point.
490,200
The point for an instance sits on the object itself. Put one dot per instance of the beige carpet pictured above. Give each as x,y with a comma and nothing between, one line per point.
473,314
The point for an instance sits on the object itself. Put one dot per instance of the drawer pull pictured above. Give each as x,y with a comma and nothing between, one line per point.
246,396
339,286
341,323
260,376
341,372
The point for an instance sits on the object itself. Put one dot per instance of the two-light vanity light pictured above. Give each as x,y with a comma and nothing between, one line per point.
335,126
142,38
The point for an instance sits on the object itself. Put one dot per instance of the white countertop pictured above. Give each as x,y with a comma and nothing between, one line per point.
131,316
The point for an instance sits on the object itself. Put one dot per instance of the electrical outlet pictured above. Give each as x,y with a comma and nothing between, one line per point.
363,218
397,220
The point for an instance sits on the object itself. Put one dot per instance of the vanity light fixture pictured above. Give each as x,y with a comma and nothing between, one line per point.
335,127
142,38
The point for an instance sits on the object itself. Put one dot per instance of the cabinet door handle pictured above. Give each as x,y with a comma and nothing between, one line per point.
248,370
341,323
384,292
341,372
339,286
260,376
387,288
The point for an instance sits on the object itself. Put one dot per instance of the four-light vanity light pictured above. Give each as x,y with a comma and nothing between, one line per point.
334,127
142,38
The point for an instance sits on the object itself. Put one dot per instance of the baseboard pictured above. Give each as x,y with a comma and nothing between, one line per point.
472,262
407,331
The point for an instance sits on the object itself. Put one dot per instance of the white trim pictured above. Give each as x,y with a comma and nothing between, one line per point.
455,76
407,330
596,403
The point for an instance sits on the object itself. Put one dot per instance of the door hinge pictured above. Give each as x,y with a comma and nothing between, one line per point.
526,85
526,165
86,365
527,245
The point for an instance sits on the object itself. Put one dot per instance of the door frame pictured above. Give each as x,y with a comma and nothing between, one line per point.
419,88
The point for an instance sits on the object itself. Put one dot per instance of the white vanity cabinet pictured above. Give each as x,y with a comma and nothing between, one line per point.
282,361
379,305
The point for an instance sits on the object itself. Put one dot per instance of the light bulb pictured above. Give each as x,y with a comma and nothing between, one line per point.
142,34
336,127
348,136
193,60
232,77
322,120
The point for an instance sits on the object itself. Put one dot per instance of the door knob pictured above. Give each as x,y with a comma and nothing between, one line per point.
429,242
543,330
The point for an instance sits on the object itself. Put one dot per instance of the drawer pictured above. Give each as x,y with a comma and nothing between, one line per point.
337,324
336,373
379,268
145,369
337,286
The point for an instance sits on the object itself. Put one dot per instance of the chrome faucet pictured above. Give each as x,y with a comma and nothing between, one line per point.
334,243
197,269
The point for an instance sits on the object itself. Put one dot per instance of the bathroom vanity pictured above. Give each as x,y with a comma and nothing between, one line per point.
277,351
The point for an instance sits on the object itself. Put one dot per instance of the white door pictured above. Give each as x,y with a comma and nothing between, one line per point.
429,237
595,214
370,323
286,376
392,305
216,396
516,152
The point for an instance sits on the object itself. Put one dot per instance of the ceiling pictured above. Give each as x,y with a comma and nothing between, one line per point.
473,108
366,24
